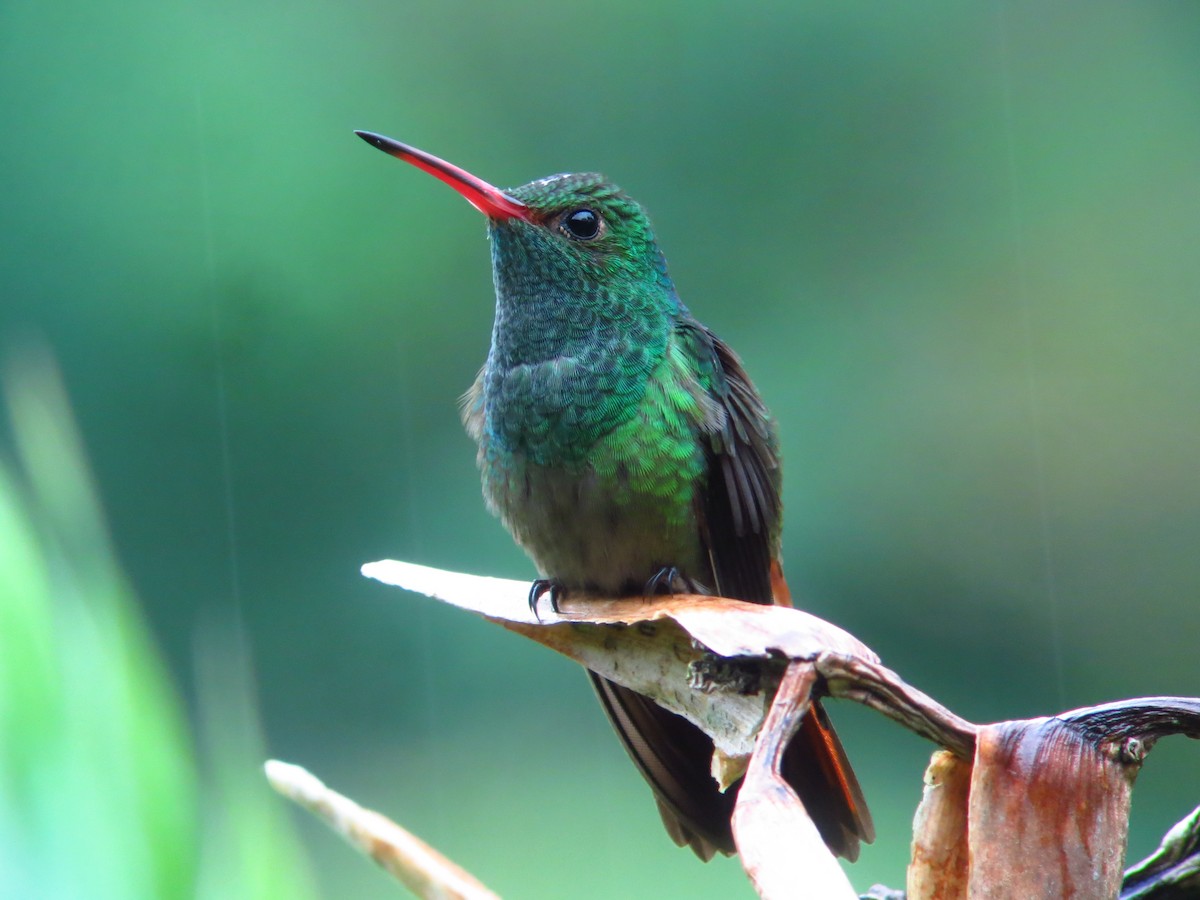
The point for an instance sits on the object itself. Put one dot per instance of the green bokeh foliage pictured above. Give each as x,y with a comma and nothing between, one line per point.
99,793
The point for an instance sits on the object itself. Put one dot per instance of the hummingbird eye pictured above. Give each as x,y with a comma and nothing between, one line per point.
581,224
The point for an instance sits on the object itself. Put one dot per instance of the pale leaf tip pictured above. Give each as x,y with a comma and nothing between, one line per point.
375,570
291,780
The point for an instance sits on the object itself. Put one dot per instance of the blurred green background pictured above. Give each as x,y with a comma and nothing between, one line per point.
955,244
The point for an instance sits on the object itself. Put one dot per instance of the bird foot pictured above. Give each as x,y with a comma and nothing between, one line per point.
669,580
542,586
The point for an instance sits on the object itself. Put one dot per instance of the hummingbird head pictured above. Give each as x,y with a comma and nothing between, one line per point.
584,306
580,234
574,259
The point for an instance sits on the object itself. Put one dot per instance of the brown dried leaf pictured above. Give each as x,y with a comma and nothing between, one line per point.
938,870
1049,812
781,849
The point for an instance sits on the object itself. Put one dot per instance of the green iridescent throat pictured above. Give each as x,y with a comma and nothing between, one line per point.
580,326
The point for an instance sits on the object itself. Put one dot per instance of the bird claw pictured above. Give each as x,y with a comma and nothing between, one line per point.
669,580
555,589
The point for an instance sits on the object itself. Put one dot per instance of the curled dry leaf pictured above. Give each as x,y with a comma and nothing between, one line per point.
1018,809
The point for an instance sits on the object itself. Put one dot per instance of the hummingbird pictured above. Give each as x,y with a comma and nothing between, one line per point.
626,450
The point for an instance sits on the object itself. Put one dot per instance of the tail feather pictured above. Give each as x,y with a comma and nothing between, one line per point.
816,767
675,757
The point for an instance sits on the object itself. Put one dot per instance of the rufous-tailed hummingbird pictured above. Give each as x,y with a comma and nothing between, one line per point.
626,450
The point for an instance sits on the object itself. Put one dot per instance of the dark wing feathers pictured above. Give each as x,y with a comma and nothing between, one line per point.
739,510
